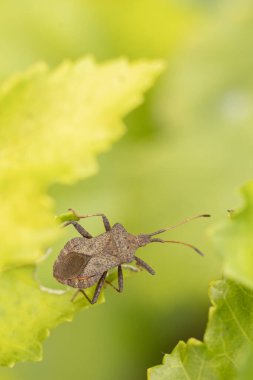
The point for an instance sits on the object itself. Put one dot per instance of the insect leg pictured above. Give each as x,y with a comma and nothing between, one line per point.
99,288
96,293
144,265
120,280
83,292
105,220
79,228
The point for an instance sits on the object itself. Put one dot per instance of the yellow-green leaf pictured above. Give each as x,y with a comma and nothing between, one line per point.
234,240
53,124
228,336
27,313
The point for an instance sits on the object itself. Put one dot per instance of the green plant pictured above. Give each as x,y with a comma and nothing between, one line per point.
226,351
53,125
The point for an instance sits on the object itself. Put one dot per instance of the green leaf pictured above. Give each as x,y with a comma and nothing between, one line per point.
27,312
227,349
53,124
234,240
229,334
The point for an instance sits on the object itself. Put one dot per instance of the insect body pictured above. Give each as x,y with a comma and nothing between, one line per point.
85,261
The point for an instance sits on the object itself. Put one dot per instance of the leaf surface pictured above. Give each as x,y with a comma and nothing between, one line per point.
226,350
53,124
234,240
229,333
28,312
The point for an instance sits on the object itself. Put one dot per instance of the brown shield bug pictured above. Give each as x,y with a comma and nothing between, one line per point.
85,261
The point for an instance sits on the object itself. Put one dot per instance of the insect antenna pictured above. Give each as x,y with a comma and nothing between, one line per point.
147,237
178,242
179,224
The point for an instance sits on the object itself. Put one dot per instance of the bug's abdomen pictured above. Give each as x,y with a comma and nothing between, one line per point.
83,282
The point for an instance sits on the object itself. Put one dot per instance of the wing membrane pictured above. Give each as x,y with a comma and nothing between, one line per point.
71,266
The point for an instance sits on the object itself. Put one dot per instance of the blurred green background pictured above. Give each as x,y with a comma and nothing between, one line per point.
187,151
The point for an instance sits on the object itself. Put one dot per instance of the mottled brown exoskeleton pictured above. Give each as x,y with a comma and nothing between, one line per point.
85,261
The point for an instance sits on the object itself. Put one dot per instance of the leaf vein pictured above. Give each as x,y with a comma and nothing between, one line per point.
241,329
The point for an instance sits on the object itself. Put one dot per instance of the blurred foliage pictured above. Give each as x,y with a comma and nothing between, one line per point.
246,368
32,31
234,241
226,350
28,312
212,84
53,124
64,118
186,151
229,333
